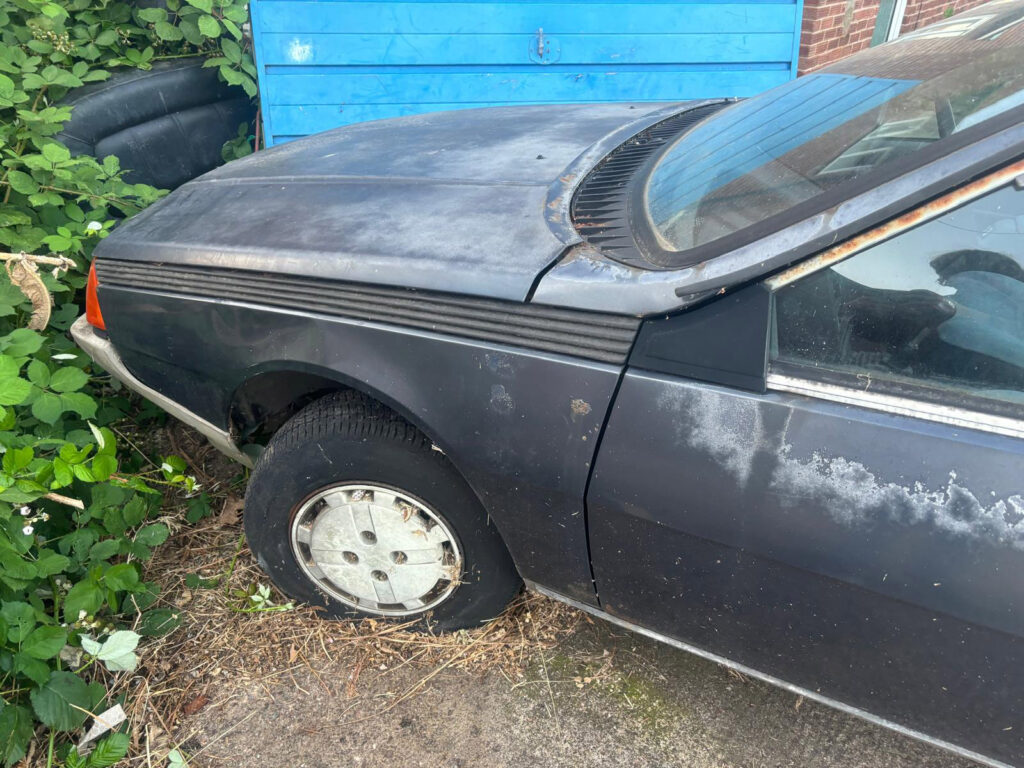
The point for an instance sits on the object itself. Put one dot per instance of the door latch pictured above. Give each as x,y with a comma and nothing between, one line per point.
543,49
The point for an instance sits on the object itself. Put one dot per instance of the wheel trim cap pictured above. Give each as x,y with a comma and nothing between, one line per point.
376,549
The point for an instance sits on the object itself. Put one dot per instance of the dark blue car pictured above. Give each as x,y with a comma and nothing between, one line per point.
747,377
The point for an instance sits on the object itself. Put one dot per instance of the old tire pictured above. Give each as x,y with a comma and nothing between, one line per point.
338,505
167,125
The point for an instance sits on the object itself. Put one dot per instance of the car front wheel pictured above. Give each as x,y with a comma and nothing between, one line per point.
350,508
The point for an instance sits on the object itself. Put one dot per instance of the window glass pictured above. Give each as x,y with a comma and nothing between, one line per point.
769,154
939,307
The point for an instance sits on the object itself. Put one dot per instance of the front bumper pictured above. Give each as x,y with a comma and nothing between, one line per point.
104,354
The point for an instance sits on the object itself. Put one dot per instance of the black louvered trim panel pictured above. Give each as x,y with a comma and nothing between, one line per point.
599,208
591,335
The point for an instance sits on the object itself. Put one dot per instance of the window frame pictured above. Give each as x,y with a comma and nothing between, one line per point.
890,395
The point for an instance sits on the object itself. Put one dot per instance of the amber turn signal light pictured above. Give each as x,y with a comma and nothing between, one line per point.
92,302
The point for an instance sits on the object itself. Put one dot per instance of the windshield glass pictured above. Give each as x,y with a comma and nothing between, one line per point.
763,156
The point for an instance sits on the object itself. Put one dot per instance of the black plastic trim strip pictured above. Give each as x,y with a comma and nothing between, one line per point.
597,336
600,210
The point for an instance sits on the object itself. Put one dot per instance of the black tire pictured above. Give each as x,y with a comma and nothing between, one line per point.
346,437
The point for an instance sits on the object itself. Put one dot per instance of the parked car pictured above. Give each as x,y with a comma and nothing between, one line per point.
747,377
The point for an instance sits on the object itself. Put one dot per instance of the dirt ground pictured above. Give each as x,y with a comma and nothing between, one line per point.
651,706
544,685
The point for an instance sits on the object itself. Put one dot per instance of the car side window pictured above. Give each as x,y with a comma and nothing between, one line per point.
935,312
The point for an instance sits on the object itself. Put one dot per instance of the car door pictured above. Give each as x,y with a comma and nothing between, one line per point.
840,503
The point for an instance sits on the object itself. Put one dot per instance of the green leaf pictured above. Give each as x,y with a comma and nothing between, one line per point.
20,619
103,467
80,403
68,379
36,670
158,622
16,728
12,218
56,153
135,511
198,508
109,751
231,76
153,15
152,535
22,342
16,459
59,243
209,26
191,31
14,391
231,50
63,703
47,407
84,596
117,652
9,367
231,27
167,31
121,577
38,373
49,563
75,760
44,642
249,86
53,10
62,474
103,550
106,38
203,5
21,181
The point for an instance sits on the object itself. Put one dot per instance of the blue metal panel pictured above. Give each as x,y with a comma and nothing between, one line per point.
325,63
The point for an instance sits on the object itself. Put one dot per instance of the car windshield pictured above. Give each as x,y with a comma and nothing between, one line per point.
769,154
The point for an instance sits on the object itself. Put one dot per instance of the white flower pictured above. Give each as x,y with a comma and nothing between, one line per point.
27,530
25,511
93,226
44,517
82,615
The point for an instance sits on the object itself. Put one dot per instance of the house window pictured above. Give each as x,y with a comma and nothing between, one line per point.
935,313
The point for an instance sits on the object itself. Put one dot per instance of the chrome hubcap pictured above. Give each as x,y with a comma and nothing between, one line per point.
376,549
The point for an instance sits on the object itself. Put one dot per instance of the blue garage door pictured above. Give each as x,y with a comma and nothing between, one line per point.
325,63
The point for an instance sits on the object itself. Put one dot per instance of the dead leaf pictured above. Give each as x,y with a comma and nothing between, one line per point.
231,512
25,275
196,704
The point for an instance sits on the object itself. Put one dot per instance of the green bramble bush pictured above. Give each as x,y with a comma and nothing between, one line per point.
70,577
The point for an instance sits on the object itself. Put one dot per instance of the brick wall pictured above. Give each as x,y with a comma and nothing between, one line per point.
834,29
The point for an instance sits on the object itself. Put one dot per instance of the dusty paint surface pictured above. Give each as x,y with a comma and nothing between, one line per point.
732,430
855,495
729,429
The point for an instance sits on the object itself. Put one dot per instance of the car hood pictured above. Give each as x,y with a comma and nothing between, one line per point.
465,201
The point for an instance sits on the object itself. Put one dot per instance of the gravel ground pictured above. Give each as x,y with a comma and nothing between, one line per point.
603,698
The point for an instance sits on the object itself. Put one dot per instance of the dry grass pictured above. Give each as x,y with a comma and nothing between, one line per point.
222,646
